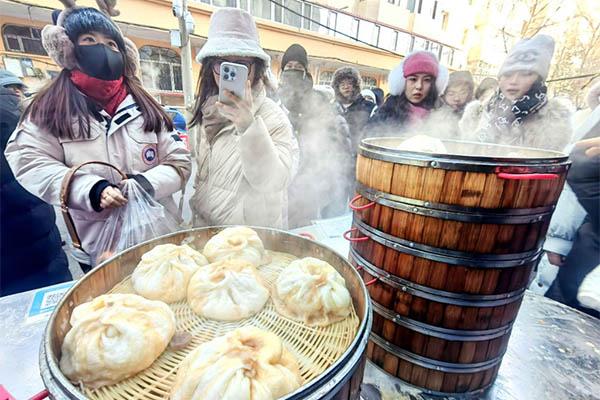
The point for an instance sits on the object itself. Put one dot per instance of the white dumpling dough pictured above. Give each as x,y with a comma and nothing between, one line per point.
228,290
246,364
312,291
165,272
113,337
236,242
423,143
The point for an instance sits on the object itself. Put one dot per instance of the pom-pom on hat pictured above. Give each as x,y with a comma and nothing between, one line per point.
418,62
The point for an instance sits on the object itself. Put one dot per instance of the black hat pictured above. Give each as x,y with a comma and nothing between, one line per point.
85,20
295,53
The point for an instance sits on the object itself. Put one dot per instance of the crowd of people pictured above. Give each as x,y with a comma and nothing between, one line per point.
281,156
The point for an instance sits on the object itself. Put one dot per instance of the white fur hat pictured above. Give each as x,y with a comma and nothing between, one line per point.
232,32
397,78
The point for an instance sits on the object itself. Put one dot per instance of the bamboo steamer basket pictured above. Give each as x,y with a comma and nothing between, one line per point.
447,244
340,380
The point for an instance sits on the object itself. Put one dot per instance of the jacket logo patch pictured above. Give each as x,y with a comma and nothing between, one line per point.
149,154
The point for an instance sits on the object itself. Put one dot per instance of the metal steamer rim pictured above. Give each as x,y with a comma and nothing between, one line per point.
447,256
439,332
543,161
454,212
440,296
318,387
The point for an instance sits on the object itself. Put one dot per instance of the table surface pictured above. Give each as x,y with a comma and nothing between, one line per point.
554,351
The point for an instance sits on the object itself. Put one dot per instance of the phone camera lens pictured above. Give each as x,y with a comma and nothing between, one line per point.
226,77
226,69
232,74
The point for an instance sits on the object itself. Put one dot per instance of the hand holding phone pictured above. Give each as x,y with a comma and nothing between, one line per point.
235,95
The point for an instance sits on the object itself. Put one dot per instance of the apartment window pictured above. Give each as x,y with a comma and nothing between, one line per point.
368,82
392,1
404,42
161,68
435,4
293,16
261,8
346,25
420,8
410,5
387,38
445,17
225,3
435,48
23,39
420,44
368,32
325,78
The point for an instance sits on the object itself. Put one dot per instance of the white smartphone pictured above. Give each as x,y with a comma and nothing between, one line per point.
232,77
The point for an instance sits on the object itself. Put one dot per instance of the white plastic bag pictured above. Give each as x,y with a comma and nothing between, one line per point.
141,219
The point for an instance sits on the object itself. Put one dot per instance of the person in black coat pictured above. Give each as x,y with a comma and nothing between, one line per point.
31,255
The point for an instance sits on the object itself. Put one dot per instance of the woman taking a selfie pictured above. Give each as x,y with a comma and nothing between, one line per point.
245,144
95,110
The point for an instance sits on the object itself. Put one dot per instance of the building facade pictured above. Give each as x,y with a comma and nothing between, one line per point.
335,34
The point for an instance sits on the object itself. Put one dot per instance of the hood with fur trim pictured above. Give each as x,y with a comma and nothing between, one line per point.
397,81
346,73
549,128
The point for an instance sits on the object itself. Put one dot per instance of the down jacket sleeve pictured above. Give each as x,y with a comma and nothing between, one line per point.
37,161
266,150
173,155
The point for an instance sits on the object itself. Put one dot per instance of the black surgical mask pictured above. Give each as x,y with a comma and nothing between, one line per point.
100,62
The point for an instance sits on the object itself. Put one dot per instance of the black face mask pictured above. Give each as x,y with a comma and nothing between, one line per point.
100,62
293,87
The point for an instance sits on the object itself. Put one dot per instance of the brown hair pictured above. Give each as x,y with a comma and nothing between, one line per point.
58,103
208,86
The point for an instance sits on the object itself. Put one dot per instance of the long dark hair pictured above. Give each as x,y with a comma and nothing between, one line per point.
59,103
396,107
208,86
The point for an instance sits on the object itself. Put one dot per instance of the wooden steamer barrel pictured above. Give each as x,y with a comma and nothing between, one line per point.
447,244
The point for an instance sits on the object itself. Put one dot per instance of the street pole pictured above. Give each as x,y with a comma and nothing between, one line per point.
186,70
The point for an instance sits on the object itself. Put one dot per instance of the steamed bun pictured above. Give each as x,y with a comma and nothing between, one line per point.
113,337
228,290
236,242
424,144
246,364
312,291
165,271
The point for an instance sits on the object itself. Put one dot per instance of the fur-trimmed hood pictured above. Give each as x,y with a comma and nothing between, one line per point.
346,73
549,128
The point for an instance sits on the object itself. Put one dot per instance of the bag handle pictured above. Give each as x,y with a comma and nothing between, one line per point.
65,190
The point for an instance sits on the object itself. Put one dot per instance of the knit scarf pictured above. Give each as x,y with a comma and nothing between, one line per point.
508,114
108,94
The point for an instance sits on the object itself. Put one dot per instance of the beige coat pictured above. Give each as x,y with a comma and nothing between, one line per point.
40,160
549,128
243,178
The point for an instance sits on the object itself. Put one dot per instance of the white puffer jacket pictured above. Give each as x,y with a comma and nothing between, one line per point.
40,160
243,178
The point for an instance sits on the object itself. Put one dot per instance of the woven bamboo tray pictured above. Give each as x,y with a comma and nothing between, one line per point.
315,348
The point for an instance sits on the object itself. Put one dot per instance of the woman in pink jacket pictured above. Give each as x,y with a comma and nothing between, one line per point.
95,110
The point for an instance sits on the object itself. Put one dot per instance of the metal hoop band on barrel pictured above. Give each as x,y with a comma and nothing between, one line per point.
434,364
456,213
439,332
468,395
550,162
477,300
448,256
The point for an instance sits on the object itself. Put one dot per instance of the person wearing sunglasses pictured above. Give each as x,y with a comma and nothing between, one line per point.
245,148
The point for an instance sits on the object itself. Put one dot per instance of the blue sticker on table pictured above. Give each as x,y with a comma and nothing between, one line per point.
46,299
